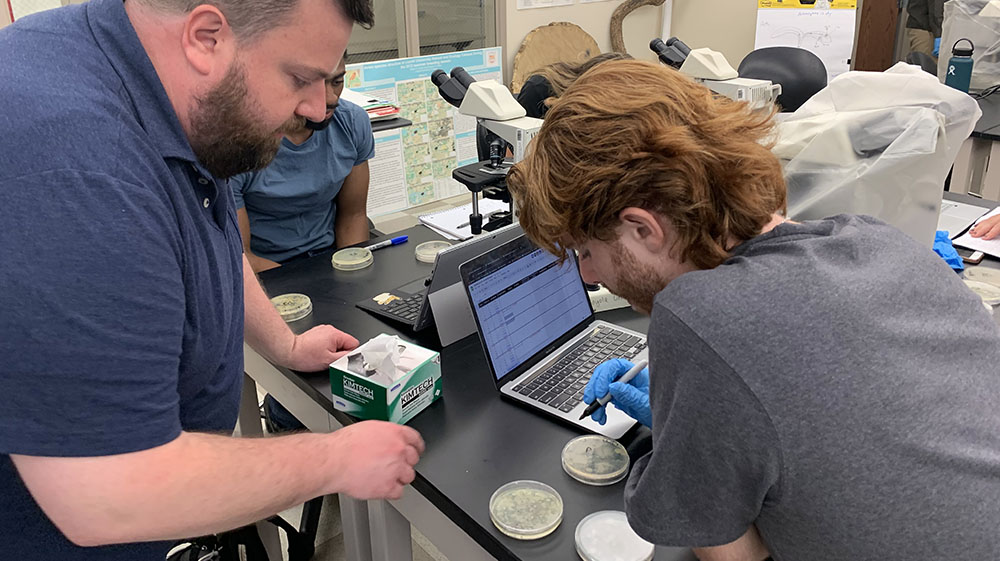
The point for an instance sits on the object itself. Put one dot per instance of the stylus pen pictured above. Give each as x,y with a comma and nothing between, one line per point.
387,243
597,404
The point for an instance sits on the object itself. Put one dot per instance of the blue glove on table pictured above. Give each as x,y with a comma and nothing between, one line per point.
632,397
944,248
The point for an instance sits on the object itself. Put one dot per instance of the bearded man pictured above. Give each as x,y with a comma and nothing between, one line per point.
125,289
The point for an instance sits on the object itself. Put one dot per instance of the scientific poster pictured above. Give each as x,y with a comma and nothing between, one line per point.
413,165
823,27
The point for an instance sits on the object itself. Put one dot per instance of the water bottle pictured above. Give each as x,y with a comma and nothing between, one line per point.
960,66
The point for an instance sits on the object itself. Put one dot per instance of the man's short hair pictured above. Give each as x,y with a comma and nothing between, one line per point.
638,134
250,18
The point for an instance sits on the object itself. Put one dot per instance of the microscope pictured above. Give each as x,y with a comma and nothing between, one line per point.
501,126
710,68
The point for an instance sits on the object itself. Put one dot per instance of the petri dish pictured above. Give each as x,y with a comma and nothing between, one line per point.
293,306
988,292
526,510
983,274
427,251
607,536
352,259
595,460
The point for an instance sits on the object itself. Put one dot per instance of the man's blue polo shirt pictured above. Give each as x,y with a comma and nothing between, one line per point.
120,266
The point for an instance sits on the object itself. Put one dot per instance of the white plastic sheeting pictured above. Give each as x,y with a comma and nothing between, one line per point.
876,143
979,22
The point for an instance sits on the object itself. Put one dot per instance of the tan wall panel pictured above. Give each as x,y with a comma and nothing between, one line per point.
727,26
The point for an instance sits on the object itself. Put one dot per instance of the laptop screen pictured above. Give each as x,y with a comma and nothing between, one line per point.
523,301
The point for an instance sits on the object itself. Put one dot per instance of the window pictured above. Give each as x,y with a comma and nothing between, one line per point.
424,27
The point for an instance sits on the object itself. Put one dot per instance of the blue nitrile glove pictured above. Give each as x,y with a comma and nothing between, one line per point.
632,398
937,46
943,247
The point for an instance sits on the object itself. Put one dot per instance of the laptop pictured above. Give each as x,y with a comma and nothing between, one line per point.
409,304
539,333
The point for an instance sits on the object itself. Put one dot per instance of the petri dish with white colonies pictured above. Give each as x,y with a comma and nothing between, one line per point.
607,536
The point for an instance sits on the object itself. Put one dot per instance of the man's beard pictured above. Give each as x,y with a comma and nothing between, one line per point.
636,282
225,136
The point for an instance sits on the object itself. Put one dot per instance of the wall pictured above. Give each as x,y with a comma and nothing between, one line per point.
727,26
639,28
4,14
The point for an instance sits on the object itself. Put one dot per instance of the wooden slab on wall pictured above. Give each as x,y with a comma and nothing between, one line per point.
556,42
876,42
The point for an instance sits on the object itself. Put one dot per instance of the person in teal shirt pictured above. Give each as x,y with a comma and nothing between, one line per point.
313,195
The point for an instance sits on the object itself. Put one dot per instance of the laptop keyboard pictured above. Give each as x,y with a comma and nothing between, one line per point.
404,309
561,385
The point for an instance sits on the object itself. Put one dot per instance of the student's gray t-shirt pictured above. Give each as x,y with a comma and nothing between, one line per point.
834,383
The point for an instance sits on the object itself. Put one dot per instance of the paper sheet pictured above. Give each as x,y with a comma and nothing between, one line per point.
990,247
955,217
454,222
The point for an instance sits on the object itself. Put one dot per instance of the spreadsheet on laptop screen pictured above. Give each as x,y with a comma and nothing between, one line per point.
525,305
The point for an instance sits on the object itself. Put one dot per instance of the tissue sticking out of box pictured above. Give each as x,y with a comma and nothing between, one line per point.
379,360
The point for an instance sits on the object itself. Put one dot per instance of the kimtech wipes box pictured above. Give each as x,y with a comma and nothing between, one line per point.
386,379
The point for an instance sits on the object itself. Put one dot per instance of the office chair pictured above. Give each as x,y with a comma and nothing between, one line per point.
800,73
926,62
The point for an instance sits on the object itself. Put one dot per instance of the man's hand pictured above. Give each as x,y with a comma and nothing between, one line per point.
987,229
377,459
632,397
315,349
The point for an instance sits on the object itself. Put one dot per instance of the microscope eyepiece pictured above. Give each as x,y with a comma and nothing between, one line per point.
439,77
462,76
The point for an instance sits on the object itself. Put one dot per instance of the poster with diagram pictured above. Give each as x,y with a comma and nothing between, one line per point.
823,27
413,165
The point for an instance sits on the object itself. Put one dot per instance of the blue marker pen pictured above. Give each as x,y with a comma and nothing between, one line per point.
387,243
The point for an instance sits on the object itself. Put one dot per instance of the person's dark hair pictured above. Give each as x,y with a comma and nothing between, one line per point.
250,18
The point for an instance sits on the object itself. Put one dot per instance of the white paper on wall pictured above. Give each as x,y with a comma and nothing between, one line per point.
829,34
530,4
